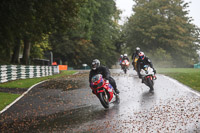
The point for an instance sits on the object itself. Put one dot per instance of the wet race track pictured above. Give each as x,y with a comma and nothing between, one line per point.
68,105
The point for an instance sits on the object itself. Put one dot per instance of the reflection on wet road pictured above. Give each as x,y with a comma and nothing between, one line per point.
171,108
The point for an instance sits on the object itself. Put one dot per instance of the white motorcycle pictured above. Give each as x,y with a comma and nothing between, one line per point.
148,76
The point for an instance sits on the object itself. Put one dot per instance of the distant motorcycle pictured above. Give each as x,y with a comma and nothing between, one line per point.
135,63
125,65
148,76
103,90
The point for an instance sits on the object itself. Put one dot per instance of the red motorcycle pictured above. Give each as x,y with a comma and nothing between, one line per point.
103,90
125,65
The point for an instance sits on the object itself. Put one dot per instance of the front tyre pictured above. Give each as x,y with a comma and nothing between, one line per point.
125,70
150,84
104,99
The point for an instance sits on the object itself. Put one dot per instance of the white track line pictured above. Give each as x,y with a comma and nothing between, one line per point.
8,106
184,86
75,73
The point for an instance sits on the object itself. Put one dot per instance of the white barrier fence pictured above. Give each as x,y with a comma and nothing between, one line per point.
13,72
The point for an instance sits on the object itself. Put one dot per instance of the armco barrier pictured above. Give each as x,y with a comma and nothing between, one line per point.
13,72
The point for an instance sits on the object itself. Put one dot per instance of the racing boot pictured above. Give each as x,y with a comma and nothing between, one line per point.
142,80
151,90
116,91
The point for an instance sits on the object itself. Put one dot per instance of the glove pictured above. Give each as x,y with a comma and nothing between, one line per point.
107,81
154,70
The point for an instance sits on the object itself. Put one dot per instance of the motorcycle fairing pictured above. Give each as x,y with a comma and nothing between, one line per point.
98,84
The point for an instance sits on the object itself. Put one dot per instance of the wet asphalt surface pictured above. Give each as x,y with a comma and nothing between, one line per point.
68,105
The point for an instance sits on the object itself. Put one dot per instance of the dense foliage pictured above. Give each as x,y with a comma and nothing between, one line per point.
94,35
25,23
75,31
163,30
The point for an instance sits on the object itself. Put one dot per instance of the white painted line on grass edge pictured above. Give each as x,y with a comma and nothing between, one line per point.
8,106
75,73
184,86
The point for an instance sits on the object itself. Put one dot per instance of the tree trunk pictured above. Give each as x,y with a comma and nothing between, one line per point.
26,52
16,50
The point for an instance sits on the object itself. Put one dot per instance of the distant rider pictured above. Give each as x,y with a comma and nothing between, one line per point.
97,69
125,57
134,55
143,60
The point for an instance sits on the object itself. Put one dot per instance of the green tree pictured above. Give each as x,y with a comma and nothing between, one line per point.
27,21
78,30
163,24
106,32
94,35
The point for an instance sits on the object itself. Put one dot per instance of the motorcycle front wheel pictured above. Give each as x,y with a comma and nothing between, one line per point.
125,70
150,84
104,99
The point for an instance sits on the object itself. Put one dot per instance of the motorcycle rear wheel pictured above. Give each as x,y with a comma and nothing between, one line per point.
104,99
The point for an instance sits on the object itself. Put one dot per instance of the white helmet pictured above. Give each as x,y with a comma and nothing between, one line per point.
137,49
125,55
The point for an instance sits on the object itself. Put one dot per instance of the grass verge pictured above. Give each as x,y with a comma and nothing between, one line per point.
7,98
187,76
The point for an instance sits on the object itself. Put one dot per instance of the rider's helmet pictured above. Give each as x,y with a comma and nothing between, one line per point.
141,55
125,55
137,50
121,55
95,64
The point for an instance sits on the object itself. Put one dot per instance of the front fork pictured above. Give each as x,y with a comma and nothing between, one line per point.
102,90
146,80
